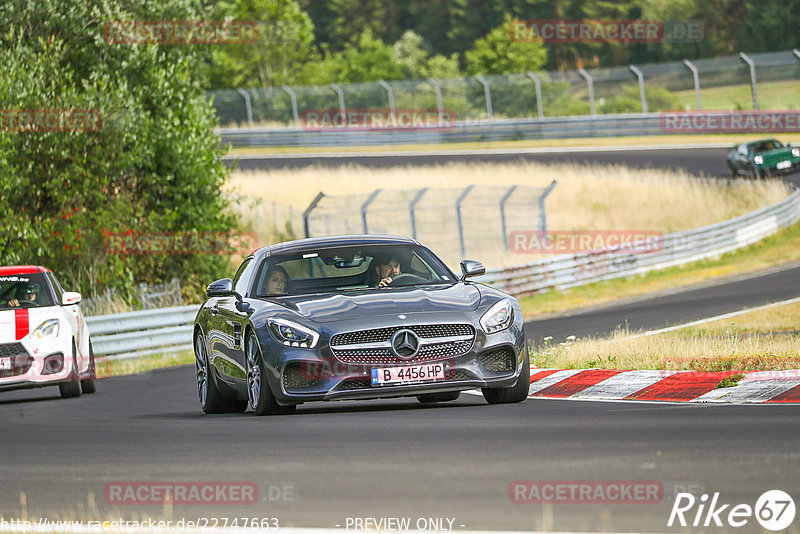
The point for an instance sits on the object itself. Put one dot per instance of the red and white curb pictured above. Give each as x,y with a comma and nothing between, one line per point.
669,386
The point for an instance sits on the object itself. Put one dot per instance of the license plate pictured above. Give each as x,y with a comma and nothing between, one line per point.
5,363
784,164
410,374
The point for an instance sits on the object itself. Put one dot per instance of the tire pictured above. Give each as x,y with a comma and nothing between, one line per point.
733,171
73,387
259,395
448,396
211,399
89,385
515,393
753,173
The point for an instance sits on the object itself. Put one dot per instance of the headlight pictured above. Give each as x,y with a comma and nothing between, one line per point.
758,160
796,152
46,330
498,317
292,334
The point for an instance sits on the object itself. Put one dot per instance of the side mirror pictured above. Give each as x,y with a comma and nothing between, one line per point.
220,288
471,268
69,298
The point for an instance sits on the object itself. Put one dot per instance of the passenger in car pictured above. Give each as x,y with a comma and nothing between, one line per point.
277,280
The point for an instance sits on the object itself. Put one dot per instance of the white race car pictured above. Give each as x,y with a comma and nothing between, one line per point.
43,338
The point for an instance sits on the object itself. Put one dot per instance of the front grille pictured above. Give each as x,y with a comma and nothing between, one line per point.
12,350
382,355
498,360
295,379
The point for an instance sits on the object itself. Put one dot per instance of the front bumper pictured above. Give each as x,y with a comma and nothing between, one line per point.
34,365
493,361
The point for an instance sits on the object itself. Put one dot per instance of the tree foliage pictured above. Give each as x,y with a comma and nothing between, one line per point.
152,165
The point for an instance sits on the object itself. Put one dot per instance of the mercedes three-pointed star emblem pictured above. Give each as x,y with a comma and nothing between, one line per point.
405,344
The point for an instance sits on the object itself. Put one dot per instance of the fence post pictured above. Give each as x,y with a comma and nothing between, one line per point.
503,213
642,95
295,113
177,284
542,217
248,108
438,99
342,109
308,212
752,78
143,295
364,209
460,199
590,84
487,94
411,208
696,77
538,85
390,93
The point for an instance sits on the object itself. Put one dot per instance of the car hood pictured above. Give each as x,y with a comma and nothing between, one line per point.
323,308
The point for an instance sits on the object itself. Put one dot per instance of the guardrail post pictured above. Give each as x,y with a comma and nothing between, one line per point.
542,217
390,94
342,109
460,199
590,84
438,99
642,95
248,108
752,78
503,213
696,77
411,208
538,85
295,112
364,208
308,212
487,94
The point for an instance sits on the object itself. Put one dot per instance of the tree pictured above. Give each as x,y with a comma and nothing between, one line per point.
499,53
150,164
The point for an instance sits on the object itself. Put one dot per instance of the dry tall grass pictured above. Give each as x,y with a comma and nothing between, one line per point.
760,340
586,198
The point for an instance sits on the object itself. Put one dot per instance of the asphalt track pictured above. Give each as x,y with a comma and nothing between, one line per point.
396,458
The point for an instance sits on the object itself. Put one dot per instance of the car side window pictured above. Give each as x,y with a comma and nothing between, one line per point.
56,286
241,280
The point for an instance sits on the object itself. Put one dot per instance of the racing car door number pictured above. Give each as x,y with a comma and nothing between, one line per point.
407,374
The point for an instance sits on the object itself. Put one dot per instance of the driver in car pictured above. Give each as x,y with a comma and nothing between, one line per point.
28,294
386,269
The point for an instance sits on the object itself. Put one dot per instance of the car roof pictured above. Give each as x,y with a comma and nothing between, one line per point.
337,241
760,141
22,269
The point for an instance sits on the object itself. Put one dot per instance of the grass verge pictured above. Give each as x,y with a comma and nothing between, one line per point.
777,249
142,364
762,340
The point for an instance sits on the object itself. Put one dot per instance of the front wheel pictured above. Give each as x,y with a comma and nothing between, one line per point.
258,393
515,393
89,385
73,387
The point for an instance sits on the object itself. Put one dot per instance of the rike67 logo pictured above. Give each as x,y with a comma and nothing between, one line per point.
774,510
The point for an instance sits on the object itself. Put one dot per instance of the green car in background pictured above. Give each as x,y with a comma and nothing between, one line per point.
767,157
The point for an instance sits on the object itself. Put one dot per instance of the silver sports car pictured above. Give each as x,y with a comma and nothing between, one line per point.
355,317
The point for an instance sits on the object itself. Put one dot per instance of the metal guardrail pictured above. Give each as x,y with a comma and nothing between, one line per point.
136,333
565,271
628,124
122,335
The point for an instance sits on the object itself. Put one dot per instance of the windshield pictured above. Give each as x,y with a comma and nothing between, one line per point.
349,268
24,291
